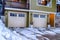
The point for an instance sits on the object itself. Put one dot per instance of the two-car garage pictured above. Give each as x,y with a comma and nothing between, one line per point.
23,19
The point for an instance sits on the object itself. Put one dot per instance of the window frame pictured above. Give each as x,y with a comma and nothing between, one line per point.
43,5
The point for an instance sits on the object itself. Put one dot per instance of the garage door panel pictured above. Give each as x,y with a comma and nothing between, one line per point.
39,20
22,18
18,20
11,19
35,19
22,21
39,24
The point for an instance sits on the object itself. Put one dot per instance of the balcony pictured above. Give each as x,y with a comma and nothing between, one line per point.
19,5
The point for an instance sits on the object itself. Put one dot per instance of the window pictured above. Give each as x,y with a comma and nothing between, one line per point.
21,15
58,14
13,14
0,1
44,3
1,8
36,15
42,16
58,8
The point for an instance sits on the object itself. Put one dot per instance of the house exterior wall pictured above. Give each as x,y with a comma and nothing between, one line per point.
34,6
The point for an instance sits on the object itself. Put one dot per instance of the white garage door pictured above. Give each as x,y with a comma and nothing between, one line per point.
39,20
17,19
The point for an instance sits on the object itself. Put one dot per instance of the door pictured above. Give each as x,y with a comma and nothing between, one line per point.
52,17
39,20
17,19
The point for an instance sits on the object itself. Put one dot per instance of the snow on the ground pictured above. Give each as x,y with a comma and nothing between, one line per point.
56,30
2,38
6,34
50,32
28,34
41,31
22,37
34,30
24,33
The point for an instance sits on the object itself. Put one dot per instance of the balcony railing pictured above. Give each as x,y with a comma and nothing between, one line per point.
19,5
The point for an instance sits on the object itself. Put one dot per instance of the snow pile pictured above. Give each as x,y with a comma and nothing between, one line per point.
2,38
6,34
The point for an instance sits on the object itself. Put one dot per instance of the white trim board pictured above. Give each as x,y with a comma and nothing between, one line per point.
28,10
15,9
41,11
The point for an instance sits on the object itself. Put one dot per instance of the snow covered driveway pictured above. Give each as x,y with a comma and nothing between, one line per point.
28,33
6,34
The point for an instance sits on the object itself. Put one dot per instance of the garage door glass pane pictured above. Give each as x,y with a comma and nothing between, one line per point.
21,15
13,14
42,16
36,15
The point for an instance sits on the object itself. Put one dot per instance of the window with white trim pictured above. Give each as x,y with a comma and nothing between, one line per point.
47,3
